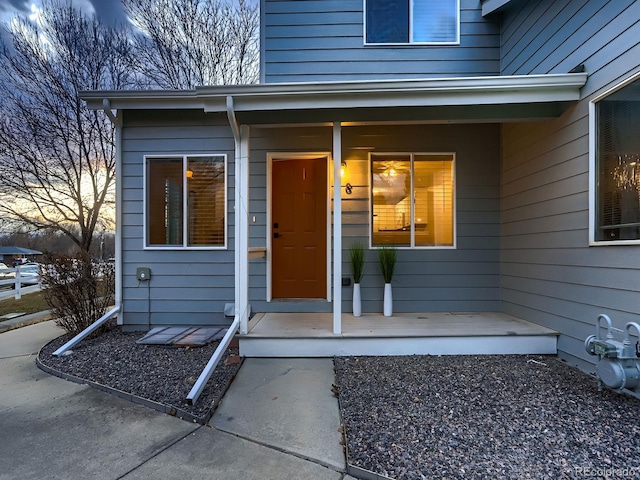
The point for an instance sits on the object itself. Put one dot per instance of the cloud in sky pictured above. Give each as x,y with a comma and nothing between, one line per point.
108,11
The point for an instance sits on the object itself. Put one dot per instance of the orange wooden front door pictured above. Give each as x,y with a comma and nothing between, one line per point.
299,228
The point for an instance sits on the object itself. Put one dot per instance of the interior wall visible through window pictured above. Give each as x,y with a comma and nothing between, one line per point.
413,199
186,201
617,165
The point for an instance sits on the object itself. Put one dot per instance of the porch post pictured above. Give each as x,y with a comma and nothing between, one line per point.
337,229
242,228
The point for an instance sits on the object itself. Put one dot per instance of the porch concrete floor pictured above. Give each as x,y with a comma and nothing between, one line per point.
447,324
448,333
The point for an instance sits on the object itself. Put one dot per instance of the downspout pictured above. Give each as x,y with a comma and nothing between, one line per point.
240,321
117,123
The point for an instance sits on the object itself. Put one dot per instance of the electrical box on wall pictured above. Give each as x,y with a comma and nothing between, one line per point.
143,273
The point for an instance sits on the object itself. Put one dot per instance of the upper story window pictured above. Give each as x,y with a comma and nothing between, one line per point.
412,199
185,201
615,164
412,21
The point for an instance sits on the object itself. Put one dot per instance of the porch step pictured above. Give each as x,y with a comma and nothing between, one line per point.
310,335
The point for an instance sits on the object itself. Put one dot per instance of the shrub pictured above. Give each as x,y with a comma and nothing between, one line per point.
78,291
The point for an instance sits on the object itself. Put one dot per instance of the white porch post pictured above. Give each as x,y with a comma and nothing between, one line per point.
241,216
337,229
242,229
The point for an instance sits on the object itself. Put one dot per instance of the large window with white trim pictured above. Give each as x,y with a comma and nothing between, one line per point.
413,199
412,21
185,201
617,164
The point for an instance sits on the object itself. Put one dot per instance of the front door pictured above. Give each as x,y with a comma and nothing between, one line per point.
299,228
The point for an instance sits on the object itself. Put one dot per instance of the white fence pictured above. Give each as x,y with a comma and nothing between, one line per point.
11,279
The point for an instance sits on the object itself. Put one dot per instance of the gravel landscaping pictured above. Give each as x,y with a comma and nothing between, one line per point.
161,374
480,417
413,417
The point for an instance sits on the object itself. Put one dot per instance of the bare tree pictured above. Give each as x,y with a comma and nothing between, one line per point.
190,43
57,162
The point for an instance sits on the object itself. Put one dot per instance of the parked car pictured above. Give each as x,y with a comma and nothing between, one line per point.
30,274
6,273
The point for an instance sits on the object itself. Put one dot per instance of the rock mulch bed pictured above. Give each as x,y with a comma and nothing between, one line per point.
161,374
473,417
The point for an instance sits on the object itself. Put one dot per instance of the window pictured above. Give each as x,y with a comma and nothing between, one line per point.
616,166
186,201
412,21
412,199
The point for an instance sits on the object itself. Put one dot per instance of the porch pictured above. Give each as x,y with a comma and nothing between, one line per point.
448,333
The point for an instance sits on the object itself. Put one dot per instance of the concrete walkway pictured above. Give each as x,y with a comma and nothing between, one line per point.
50,428
23,321
286,403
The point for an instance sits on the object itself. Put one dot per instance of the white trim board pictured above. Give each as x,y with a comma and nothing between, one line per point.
341,346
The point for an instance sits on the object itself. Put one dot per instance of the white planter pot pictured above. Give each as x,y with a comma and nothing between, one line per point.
357,302
388,300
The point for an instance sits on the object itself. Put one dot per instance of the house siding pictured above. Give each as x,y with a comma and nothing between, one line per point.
190,287
461,279
550,275
186,286
322,40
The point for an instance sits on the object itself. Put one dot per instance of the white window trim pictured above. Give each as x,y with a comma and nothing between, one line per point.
412,237
593,187
408,43
185,236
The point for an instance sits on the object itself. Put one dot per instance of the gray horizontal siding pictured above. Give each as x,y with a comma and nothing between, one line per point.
186,287
550,275
544,37
323,40
462,279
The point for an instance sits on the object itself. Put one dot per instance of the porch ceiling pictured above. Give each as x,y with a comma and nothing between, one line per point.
461,99
422,114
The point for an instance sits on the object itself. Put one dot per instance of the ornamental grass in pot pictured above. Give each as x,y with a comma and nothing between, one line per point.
387,257
356,252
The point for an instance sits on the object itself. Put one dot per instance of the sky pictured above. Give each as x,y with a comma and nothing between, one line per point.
109,12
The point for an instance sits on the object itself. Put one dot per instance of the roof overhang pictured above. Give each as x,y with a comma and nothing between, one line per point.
491,6
18,251
490,98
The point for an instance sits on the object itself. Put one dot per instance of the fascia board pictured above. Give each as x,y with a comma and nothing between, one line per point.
294,96
141,99
475,91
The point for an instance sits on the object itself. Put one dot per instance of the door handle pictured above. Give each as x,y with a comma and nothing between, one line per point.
276,235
